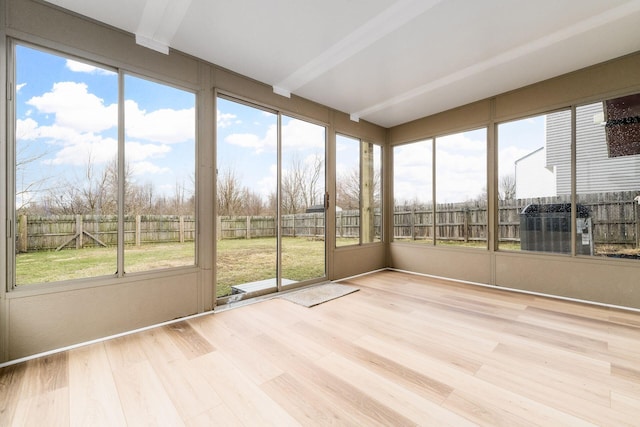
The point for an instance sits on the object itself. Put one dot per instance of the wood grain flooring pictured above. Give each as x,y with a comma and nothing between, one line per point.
404,350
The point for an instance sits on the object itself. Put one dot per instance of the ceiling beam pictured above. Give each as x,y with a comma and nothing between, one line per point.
159,23
611,15
362,37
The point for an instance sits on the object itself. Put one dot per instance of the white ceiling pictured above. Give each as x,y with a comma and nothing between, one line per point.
385,61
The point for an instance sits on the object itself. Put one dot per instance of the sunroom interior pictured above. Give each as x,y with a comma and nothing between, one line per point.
464,124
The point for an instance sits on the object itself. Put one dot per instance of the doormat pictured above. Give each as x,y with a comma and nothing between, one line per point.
319,294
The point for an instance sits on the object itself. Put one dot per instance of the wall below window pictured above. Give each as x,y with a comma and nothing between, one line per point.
47,320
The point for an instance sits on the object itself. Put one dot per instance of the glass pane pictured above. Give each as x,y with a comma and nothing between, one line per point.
246,186
66,146
413,192
347,191
534,183
461,189
608,178
159,176
302,194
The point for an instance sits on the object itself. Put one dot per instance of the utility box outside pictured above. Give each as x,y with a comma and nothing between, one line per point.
547,228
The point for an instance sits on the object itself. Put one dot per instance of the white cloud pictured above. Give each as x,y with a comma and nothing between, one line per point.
251,140
165,125
26,129
226,119
88,148
301,135
81,67
136,152
296,134
74,107
20,86
147,168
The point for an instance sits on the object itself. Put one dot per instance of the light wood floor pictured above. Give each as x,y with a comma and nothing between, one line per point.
404,350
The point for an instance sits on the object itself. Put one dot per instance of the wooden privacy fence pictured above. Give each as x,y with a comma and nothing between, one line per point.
614,217
298,225
250,227
55,232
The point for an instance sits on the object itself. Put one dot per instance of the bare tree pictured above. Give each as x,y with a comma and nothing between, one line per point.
27,188
302,184
507,187
230,193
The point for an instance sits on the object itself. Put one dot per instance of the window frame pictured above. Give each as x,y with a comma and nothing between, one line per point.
10,161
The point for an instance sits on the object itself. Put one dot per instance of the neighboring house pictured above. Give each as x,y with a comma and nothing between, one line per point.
596,172
547,170
533,177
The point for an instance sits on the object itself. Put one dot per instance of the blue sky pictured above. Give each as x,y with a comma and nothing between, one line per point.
66,114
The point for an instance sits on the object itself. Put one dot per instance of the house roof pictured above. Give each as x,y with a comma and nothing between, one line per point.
384,61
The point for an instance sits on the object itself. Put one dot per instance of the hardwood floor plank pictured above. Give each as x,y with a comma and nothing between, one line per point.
244,398
188,339
143,397
11,379
46,374
93,397
548,392
419,383
397,398
218,416
47,408
306,404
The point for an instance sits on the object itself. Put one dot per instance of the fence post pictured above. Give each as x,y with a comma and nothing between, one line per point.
465,226
138,223
79,233
218,227
22,234
248,227
412,224
181,229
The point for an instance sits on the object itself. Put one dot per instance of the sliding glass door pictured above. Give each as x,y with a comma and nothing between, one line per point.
270,201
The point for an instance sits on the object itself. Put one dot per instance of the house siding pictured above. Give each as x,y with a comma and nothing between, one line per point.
596,172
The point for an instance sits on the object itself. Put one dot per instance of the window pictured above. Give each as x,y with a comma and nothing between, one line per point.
159,175
461,189
69,171
608,178
413,192
534,183
358,191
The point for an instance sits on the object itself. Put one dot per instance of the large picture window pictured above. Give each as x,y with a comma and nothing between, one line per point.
71,169
608,178
534,183
413,192
456,172
461,189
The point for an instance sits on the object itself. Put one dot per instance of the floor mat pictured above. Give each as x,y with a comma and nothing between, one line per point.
318,294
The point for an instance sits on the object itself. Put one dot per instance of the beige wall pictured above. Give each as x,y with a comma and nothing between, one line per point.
43,317
601,280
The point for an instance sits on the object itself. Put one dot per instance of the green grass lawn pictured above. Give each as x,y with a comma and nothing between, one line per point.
239,261
67,264
243,261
